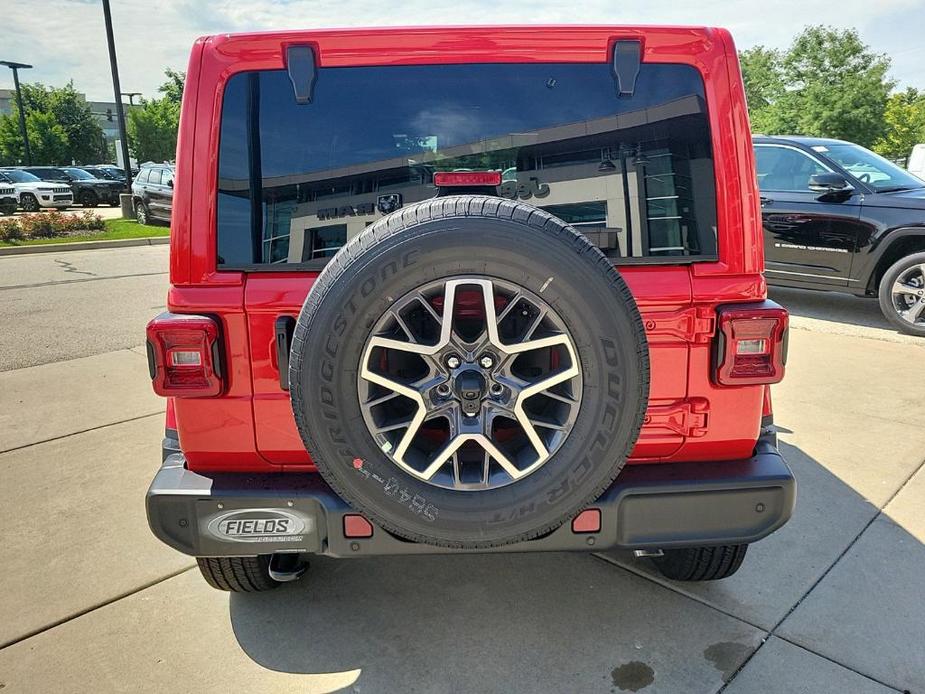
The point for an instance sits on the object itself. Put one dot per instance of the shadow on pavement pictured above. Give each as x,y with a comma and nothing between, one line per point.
832,307
575,622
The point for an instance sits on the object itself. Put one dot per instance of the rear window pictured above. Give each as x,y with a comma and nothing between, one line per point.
634,174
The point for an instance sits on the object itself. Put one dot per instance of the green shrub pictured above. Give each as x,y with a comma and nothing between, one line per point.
46,225
10,230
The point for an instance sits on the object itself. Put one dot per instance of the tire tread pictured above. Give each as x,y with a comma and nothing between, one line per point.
237,574
701,563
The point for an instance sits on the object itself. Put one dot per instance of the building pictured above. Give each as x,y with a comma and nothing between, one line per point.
103,111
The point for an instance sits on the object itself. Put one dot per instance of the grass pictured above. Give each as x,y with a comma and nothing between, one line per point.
115,229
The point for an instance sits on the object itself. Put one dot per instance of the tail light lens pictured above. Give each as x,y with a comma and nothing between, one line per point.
184,356
751,344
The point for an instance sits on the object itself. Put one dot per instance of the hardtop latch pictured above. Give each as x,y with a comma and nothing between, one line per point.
300,64
627,55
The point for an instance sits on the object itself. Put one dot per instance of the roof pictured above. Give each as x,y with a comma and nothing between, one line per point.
800,139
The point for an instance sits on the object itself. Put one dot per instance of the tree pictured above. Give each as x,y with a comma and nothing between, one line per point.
54,113
48,139
172,89
830,85
905,124
764,83
152,126
60,125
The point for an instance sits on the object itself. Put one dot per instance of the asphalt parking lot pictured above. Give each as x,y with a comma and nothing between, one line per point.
92,602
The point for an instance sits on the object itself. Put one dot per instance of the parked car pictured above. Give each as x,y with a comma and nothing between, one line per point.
34,193
152,193
111,171
102,173
88,190
570,355
9,198
841,218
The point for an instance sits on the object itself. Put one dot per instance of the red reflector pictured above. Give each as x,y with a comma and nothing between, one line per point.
445,179
752,344
182,355
588,521
357,526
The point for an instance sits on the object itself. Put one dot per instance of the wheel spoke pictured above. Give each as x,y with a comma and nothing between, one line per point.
404,326
400,346
912,314
510,305
528,393
901,288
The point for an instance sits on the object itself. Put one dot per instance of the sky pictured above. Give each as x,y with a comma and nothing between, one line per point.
66,39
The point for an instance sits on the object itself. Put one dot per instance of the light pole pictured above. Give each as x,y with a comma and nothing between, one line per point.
16,67
131,97
117,91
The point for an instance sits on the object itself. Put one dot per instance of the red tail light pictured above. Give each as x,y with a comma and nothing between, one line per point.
751,344
184,357
444,179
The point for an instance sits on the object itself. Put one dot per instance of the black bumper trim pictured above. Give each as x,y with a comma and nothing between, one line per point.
654,506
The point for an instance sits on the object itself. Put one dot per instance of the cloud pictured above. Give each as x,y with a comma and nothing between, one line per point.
65,39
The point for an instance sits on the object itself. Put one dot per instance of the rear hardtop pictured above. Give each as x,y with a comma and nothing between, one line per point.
259,207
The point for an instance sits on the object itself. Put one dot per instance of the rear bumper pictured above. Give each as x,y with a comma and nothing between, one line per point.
658,506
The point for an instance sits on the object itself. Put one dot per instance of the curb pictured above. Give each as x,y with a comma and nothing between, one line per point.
85,245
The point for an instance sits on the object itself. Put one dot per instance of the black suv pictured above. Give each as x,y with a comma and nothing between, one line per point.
152,193
88,190
841,218
101,173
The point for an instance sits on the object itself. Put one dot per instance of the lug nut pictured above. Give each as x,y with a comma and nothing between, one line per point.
443,389
452,361
496,389
487,362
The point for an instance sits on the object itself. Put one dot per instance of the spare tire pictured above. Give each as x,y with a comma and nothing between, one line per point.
469,372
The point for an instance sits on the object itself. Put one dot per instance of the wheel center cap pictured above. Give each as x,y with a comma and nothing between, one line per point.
470,386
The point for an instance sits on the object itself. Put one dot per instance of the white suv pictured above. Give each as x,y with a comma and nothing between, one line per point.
33,193
9,198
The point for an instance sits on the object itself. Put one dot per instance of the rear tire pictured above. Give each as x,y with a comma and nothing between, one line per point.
701,563
237,574
89,199
910,271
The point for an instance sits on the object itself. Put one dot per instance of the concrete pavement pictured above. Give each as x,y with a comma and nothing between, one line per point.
91,602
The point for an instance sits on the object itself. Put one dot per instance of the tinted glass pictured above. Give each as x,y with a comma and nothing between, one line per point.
633,173
870,168
785,168
80,174
20,176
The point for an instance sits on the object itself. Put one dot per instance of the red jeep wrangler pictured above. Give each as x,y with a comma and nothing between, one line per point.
466,290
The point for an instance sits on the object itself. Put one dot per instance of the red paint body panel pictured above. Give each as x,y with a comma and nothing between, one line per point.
251,428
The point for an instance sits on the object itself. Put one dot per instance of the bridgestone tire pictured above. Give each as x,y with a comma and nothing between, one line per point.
469,236
701,563
237,574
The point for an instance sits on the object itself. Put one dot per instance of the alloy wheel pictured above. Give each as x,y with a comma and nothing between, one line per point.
908,295
470,383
